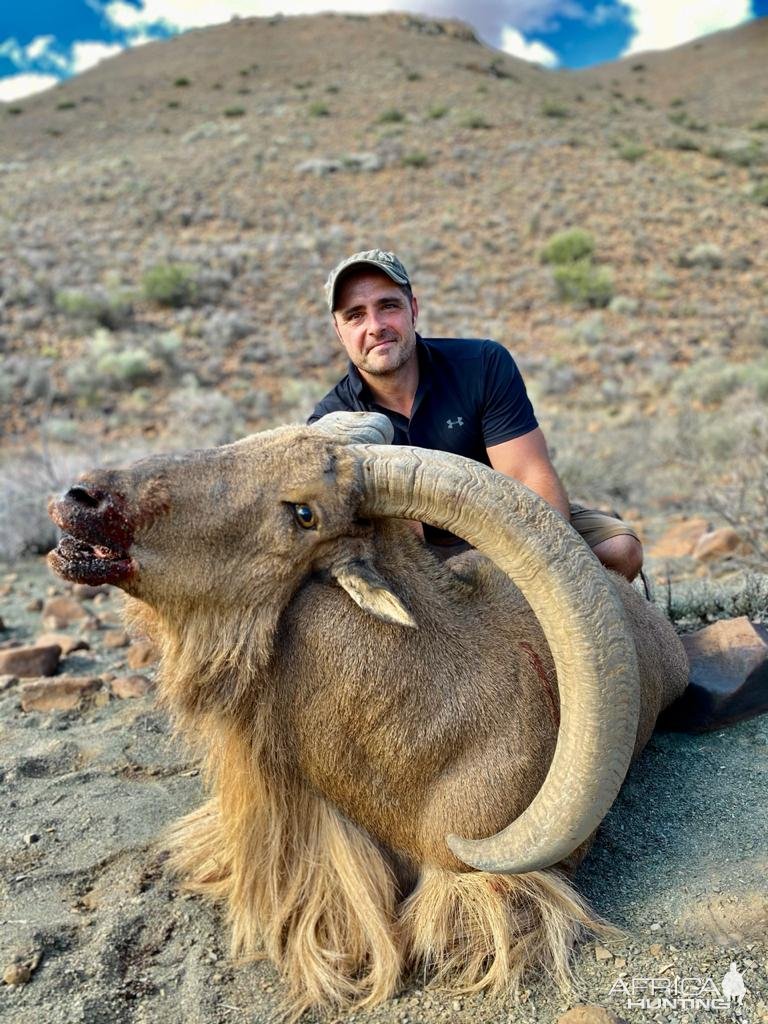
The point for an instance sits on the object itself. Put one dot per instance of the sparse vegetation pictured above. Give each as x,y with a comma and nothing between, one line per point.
169,284
553,108
682,142
760,192
66,105
106,308
584,283
391,116
182,83
234,111
318,109
436,112
474,121
568,247
632,151
415,159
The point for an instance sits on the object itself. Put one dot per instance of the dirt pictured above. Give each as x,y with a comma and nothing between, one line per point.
680,865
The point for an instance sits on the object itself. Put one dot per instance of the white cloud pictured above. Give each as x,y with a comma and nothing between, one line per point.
86,54
514,43
660,24
38,47
10,49
14,87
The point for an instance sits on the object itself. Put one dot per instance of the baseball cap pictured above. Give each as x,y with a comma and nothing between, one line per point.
387,262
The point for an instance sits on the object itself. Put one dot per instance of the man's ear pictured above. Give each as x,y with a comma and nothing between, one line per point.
414,308
372,592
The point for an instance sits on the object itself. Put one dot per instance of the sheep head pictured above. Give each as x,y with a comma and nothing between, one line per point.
296,500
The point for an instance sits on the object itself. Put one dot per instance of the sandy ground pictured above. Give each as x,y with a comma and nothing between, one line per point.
680,864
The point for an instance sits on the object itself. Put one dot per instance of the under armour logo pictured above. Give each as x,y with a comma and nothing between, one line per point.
458,422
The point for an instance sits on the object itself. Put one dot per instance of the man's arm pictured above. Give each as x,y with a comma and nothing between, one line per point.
526,458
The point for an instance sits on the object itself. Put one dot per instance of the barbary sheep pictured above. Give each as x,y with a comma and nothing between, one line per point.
361,705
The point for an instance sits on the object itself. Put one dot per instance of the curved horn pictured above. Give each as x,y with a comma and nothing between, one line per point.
583,621
356,427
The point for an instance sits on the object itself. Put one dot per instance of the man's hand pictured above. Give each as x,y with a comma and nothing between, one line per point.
526,459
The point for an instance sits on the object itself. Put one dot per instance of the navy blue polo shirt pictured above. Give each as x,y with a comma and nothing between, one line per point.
470,396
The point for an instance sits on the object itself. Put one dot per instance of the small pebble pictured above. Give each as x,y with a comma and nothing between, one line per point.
17,974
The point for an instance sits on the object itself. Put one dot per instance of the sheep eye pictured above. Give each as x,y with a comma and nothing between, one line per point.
305,516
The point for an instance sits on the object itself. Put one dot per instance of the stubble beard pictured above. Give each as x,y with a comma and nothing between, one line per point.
406,349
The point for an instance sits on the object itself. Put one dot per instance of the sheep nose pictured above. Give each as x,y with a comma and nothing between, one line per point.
85,497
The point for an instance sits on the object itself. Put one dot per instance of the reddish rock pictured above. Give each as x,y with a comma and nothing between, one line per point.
679,539
63,608
142,653
27,662
66,642
728,676
115,638
62,694
716,544
131,686
35,605
589,1014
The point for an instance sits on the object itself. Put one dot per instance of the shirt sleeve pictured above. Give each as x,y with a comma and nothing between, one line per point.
507,409
331,403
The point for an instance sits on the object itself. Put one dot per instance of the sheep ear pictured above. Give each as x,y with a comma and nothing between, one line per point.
372,593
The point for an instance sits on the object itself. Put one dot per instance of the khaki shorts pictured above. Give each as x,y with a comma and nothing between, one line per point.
595,526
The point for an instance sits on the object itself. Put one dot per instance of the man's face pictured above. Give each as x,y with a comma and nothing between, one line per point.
375,322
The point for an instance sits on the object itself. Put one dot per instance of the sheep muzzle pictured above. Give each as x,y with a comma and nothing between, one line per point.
97,536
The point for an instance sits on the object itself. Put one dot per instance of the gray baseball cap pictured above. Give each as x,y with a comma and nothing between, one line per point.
387,262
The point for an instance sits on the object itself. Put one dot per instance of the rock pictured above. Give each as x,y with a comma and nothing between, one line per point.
6,682
680,539
35,605
728,676
126,687
62,694
716,544
66,642
656,949
86,592
116,638
601,953
64,609
2,625
142,653
30,838
589,1014
17,974
28,662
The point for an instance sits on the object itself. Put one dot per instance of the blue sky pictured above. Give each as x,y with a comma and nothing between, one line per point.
43,41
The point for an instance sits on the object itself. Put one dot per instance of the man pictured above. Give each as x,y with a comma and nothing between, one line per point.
449,394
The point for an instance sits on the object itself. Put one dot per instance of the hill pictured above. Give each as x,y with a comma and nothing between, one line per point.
169,217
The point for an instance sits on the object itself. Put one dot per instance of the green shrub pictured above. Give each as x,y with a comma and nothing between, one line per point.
551,108
182,82
169,284
66,105
234,111
474,121
413,76
415,160
318,109
760,192
391,116
436,112
683,143
759,126
568,247
173,104
632,151
742,154
584,283
111,309
15,111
